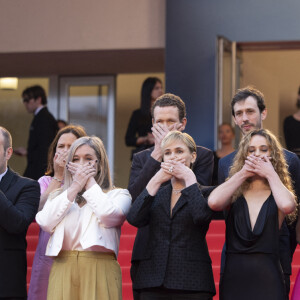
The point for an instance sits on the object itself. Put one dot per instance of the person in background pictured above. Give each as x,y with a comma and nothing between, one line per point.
43,129
84,218
139,132
291,128
176,264
255,199
52,180
226,136
61,123
19,202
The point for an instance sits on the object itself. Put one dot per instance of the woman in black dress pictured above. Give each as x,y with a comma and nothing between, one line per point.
256,198
139,132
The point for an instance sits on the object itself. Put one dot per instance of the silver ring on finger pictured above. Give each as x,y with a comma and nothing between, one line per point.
171,169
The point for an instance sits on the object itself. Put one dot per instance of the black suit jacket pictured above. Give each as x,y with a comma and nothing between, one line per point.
177,255
287,245
143,168
19,201
43,129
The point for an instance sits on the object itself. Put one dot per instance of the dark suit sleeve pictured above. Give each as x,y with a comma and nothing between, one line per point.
15,218
287,132
45,135
143,168
139,214
42,132
294,169
204,165
221,175
199,209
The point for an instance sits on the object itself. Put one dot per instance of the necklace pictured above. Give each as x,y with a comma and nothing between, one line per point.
176,191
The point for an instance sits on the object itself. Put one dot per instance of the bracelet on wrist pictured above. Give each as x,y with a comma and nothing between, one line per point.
58,180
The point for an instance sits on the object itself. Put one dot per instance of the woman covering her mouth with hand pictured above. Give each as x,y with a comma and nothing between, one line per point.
177,264
84,219
256,198
53,179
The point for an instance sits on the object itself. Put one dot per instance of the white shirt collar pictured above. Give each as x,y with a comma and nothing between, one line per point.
38,110
1,175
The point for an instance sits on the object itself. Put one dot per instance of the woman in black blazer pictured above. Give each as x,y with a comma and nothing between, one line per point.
177,264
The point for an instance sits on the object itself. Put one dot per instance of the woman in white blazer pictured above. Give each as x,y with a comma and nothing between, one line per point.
84,218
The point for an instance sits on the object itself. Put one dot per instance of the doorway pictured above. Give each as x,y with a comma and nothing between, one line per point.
228,73
90,102
271,67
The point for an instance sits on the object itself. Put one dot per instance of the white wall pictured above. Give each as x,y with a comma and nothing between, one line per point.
15,118
64,25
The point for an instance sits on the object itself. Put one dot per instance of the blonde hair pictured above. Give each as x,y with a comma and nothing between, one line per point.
277,159
179,136
103,175
183,137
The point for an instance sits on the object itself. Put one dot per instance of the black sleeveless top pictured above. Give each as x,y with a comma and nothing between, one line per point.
240,238
252,266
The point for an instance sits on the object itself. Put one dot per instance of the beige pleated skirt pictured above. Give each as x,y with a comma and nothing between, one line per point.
85,275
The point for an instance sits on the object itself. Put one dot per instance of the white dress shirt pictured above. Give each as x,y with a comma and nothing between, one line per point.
1,175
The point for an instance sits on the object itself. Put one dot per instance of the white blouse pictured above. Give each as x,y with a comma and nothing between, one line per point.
96,226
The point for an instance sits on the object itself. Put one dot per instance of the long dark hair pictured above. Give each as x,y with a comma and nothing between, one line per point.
147,87
77,130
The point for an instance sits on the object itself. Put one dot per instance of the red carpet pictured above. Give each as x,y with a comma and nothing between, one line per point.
215,240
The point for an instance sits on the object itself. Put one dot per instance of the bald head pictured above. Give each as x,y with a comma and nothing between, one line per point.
7,140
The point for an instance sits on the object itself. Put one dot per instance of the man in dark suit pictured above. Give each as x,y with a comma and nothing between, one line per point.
249,110
42,132
19,201
168,113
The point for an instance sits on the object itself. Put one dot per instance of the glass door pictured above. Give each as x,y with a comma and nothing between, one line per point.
90,102
228,66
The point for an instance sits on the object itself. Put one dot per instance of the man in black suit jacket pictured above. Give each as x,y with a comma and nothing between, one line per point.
168,113
249,111
43,129
19,201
